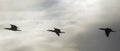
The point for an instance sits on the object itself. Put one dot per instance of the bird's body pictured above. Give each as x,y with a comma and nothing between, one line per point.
107,31
13,28
57,31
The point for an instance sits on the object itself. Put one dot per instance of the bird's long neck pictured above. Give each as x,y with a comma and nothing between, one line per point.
7,28
52,30
62,32
112,31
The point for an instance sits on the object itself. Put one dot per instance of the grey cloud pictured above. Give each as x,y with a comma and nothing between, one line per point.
47,4
23,48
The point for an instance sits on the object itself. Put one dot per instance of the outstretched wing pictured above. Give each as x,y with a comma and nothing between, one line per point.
57,33
107,33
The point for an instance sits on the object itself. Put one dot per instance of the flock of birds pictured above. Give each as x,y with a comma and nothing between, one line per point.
58,31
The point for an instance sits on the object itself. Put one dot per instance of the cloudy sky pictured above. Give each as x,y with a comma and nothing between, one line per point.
80,19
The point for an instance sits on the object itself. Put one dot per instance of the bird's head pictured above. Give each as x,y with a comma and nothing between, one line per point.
55,28
11,24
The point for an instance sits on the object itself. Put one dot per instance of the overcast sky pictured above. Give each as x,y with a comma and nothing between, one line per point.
80,19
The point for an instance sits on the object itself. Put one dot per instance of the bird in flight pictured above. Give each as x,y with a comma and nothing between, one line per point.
107,31
57,31
13,28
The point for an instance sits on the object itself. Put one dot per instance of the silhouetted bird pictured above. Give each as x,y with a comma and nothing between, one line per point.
57,31
107,31
13,28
